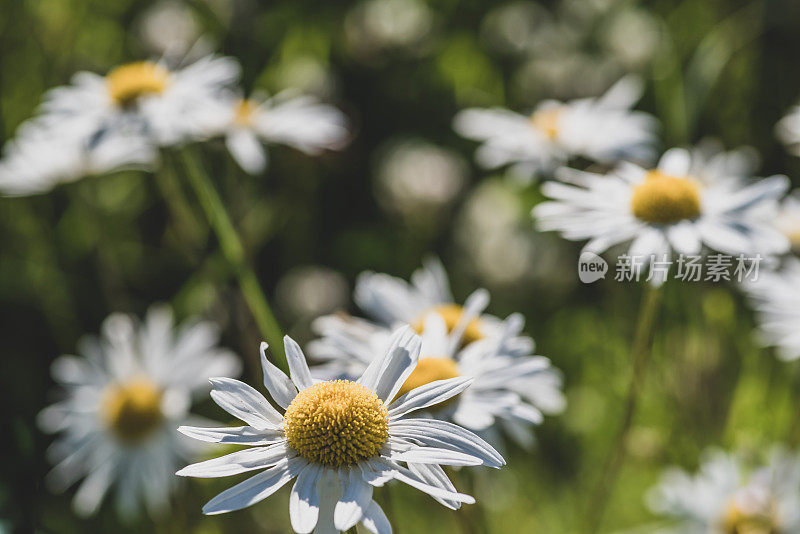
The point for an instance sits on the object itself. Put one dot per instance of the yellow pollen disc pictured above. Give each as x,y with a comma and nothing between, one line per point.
547,121
128,82
739,522
336,423
132,410
451,313
430,370
665,199
245,109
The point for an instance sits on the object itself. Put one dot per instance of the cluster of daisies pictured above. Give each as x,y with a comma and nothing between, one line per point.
99,124
424,383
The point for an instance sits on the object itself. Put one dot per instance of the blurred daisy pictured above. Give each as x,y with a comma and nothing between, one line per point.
40,157
788,130
680,205
602,129
787,220
392,301
123,399
726,498
168,106
511,389
776,298
339,439
297,121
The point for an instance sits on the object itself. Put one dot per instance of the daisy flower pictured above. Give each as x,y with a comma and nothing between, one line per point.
297,121
338,439
168,106
602,129
680,205
776,298
511,392
391,302
123,398
41,156
727,498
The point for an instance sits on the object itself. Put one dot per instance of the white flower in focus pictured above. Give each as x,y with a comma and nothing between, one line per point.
147,98
42,156
392,302
300,122
776,299
725,497
419,180
124,396
339,439
511,392
679,206
603,129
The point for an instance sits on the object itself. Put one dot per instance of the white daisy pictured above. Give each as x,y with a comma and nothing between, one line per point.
42,156
680,205
776,298
512,389
339,439
603,129
727,498
168,106
297,121
123,399
787,220
392,301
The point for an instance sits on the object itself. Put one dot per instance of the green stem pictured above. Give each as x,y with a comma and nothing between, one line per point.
232,249
640,356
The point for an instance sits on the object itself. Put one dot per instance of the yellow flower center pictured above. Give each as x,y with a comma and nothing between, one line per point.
245,109
127,83
132,410
451,313
665,199
430,370
738,521
548,121
336,423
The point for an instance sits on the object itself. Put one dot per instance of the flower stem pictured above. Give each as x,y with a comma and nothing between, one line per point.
232,249
641,351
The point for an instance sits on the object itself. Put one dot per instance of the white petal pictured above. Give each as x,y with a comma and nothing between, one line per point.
241,435
277,383
298,368
304,500
435,476
356,496
246,149
386,375
428,395
404,475
237,462
433,455
254,489
375,520
446,435
675,162
245,403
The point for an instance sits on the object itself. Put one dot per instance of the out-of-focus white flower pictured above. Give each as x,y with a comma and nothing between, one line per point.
42,156
418,180
726,497
311,291
787,221
297,121
512,389
392,301
339,439
377,25
169,28
125,395
603,129
776,298
680,205
167,106
788,130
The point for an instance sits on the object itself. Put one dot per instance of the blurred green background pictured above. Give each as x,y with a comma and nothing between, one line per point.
400,69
